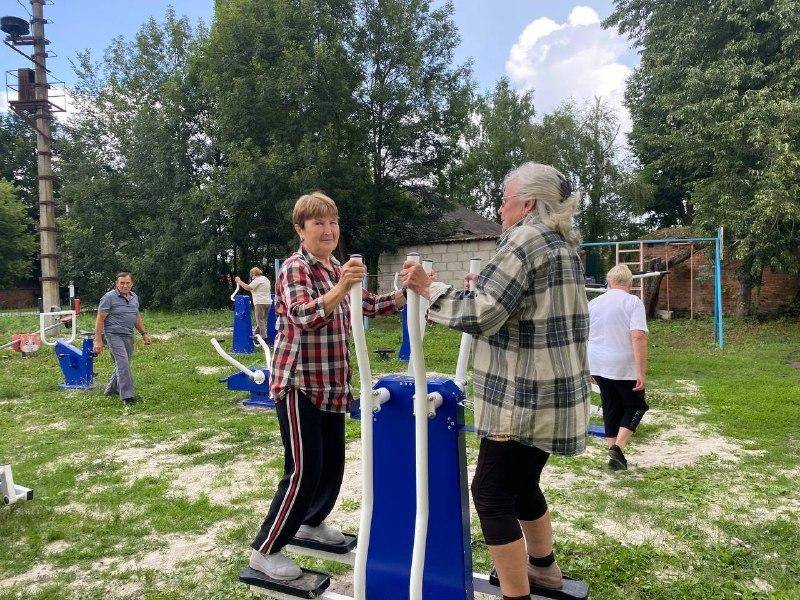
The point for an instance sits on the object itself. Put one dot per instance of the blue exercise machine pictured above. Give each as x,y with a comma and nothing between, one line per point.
242,324
414,538
254,380
77,365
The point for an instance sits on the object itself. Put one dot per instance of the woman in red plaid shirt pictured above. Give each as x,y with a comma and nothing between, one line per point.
311,383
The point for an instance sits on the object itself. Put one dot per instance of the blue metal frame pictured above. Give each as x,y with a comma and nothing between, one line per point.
259,392
242,325
76,365
448,558
719,338
405,345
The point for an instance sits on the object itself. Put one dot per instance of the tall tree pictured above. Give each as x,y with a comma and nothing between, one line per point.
414,103
504,131
281,82
134,158
716,103
17,244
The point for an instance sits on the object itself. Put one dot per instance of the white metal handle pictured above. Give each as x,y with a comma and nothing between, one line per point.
367,407
267,353
466,339
43,329
258,377
236,291
420,442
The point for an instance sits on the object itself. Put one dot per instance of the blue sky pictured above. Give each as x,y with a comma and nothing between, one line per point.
555,47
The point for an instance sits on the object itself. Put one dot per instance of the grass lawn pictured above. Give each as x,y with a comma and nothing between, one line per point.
161,500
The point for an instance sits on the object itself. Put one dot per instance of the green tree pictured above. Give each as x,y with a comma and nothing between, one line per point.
133,162
414,103
716,104
280,83
18,159
17,244
504,132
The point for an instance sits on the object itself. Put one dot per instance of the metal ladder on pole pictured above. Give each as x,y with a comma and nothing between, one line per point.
636,266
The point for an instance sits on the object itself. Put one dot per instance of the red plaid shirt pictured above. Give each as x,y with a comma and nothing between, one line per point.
311,353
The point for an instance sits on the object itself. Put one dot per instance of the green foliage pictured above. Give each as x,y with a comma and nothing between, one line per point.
503,134
716,108
18,159
583,142
17,244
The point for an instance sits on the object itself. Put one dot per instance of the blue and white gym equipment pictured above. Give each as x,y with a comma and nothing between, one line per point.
254,380
414,533
242,324
10,493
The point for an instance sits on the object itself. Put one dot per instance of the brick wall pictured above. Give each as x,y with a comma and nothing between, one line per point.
450,260
18,298
777,290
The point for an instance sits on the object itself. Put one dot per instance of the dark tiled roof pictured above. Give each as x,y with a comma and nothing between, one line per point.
470,225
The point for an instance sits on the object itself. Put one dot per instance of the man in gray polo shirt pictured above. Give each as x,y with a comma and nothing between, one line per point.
117,315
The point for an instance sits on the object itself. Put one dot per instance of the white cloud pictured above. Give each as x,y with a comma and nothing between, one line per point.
576,60
583,15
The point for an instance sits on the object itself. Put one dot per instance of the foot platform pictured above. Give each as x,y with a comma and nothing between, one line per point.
572,589
343,553
311,584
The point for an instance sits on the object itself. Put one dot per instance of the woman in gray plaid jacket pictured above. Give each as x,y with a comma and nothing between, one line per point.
529,316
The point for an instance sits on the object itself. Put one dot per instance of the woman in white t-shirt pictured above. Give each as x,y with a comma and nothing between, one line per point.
261,291
618,360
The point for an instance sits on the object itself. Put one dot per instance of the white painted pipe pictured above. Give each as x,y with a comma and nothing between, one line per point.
367,406
466,339
257,376
267,353
236,291
424,303
44,328
420,442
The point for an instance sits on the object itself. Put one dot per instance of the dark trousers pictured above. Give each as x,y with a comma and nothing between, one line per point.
313,468
622,407
506,489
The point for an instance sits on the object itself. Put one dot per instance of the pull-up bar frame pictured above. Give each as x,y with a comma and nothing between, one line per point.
719,334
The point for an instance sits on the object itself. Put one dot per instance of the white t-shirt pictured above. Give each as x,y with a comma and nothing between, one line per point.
260,289
612,317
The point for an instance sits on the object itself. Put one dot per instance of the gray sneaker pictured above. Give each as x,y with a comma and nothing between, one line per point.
322,533
275,566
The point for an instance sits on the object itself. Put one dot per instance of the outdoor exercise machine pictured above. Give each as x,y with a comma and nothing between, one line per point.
10,493
254,380
242,324
624,248
414,533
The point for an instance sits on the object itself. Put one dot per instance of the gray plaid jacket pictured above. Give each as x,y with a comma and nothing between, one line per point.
530,319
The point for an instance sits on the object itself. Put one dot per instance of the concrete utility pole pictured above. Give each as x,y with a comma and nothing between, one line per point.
44,155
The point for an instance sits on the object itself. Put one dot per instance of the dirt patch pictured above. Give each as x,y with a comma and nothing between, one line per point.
682,445
180,549
209,370
31,580
222,484
56,547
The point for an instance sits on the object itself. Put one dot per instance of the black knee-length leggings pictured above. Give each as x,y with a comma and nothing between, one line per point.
506,489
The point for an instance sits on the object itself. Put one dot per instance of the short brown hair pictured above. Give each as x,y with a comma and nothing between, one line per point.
123,274
315,205
256,271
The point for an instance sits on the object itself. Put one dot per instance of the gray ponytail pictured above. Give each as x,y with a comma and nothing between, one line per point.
556,202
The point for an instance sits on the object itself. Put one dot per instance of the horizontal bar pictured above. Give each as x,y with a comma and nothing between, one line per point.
664,241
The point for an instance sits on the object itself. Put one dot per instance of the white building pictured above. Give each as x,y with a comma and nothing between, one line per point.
475,237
